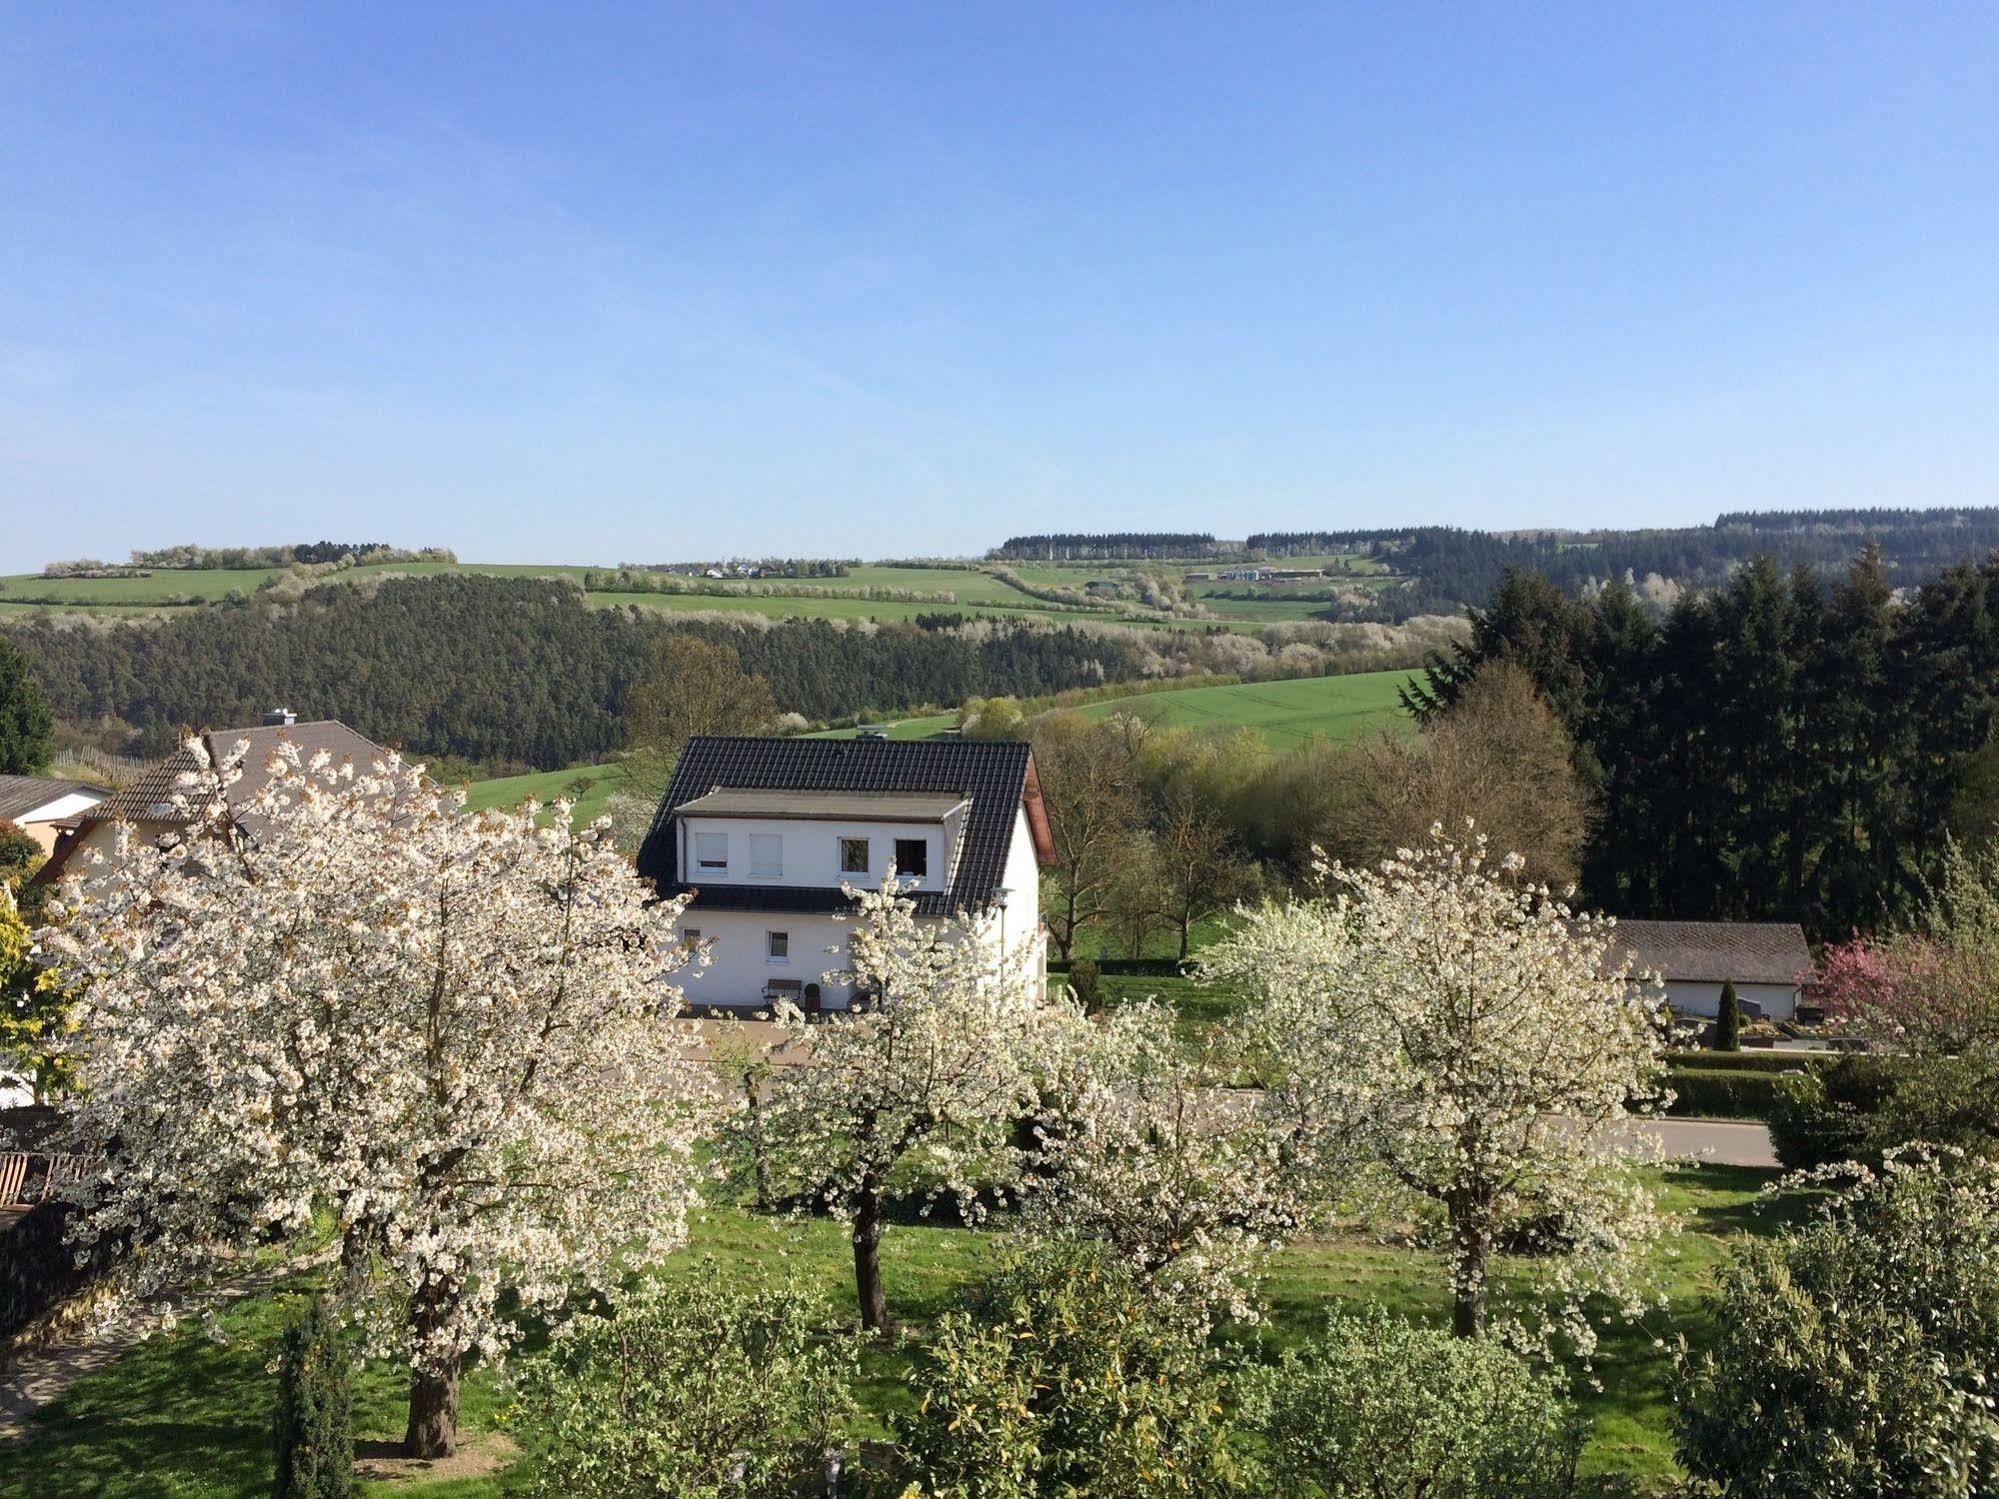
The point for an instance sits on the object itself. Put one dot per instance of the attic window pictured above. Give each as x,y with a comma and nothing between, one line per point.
711,850
912,857
766,856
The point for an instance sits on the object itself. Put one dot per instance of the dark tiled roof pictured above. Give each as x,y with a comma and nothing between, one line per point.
993,775
150,798
20,795
1750,952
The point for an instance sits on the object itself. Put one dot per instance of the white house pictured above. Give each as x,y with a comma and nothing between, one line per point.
1766,961
763,832
42,808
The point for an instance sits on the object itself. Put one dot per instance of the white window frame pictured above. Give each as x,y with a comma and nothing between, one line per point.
766,842
701,860
867,848
772,940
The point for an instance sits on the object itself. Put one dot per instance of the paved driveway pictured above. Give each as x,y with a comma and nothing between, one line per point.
1722,1141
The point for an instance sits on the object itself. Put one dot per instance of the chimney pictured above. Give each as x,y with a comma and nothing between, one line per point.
280,718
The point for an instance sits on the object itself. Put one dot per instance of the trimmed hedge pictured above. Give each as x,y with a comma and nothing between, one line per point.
1721,1093
1751,1061
1158,968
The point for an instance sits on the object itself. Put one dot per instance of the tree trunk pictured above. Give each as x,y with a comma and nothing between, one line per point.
1468,1259
433,1428
1186,923
433,1424
868,1258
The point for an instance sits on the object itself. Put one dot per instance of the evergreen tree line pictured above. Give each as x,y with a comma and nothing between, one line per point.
1781,748
507,670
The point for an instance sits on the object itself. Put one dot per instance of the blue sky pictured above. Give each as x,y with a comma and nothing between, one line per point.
576,284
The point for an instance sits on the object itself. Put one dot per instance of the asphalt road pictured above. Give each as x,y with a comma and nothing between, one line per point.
1724,1142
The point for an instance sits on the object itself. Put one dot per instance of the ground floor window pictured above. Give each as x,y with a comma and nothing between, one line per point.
777,946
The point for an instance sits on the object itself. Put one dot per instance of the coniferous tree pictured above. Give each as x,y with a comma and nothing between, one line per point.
25,723
1728,1019
315,1434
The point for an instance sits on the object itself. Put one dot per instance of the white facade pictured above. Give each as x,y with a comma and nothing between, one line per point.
1703,998
37,822
755,957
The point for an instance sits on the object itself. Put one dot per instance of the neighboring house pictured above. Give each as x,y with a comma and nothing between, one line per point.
41,808
148,803
1695,958
765,831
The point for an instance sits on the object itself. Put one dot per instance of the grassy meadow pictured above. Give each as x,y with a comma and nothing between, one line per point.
185,1417
1286,713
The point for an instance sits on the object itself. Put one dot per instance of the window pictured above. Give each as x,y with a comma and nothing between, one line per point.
711,850
690,938
912,856
778,946
766,856
853,856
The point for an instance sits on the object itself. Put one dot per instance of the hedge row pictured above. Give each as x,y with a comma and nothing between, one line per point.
1749,1061
1157,968
1719,1093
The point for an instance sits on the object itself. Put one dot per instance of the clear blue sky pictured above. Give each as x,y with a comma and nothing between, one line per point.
556,283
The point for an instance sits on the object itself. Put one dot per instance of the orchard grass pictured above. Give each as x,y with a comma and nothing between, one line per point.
186,1418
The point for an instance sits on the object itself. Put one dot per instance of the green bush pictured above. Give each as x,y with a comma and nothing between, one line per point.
1083,980
1855,1356
698,1392
1381,1408
314,1427
1719,1093
1827,1115
1753,1061
1064,1380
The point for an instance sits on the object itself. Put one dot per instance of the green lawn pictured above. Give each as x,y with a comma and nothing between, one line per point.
589,785
1285,713
186,1418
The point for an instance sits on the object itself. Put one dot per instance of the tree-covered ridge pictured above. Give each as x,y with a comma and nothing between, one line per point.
189,557
1447,562
1777,749
509,670
1081,546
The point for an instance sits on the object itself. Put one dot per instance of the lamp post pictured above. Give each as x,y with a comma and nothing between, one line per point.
1000,897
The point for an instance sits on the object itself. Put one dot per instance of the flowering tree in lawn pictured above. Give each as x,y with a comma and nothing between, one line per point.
445,1031
914,1090
1473,1048
1145,1148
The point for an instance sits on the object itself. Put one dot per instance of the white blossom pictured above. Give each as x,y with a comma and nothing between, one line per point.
1462,1048
447,1033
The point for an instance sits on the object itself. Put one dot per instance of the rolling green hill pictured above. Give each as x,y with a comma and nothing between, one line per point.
590,785
1285,713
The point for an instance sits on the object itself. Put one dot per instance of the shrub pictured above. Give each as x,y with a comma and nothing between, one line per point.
1065,1380
315,1433
1854,1356
696,1392
1721,1094
1083,977
1389,1410
1728,1019
1751,1061
1824,1116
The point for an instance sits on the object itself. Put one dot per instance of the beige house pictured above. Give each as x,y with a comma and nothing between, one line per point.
148,803
1767,961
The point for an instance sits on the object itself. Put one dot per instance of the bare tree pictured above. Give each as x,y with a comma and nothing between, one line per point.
693,686
1089,781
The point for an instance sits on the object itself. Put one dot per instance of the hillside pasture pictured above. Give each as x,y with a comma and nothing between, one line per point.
1286,713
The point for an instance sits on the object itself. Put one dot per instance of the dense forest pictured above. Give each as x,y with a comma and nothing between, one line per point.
1078,547
1782,747
509,670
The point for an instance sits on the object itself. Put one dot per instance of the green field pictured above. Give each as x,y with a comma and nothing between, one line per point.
1285,713
185,1416
589,785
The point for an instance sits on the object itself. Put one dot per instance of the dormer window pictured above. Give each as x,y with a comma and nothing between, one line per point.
711,852
912,857
853,856
766,856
